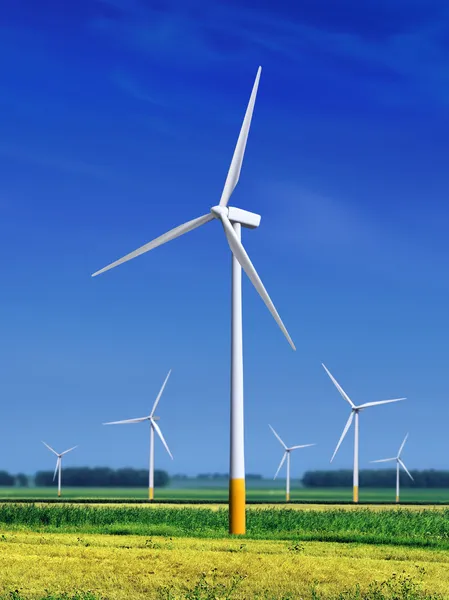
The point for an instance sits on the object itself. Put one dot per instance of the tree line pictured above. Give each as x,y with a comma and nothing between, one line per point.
88,477
376,478
128,477
6,479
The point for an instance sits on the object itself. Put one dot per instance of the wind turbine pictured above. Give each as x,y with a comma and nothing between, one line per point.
287,456
399,462
58,467
153,427
355,410
231,219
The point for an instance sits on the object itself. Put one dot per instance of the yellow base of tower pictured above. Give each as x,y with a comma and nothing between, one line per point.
287,497
237,499
355,494
59,494
397,498
151,493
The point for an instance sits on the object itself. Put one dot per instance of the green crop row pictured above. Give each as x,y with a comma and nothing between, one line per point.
396,526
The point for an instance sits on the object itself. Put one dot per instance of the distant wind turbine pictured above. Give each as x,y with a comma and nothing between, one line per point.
153,427
399,462
287,453
231,219
58,468
355,410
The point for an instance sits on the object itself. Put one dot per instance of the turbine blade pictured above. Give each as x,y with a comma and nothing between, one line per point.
379,402
240,254
159,432
277,437
156,402
280,465
345,431
303,446
383,460
237,159
58,460
405,469
127,421
50,448
402,446
69,450
338,386
162,239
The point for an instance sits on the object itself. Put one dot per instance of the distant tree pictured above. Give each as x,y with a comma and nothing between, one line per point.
341,478
43,478
380,478
253,476
103,477
21,480
6,479
161,478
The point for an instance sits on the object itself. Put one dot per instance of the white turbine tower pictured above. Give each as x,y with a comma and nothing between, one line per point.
399,462
58,468
287,456
355,410
231,219
153,427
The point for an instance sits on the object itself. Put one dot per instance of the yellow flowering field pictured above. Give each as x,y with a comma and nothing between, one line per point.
136,567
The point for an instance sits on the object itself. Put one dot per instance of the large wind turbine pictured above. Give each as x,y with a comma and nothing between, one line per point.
399,462
355,410
58,467
287,456
231,219
153,427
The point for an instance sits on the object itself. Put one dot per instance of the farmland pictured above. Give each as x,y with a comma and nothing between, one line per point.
220,494
138,567
162,551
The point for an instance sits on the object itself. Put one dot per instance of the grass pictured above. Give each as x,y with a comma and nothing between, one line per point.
400,526
47,566
220,494
114,550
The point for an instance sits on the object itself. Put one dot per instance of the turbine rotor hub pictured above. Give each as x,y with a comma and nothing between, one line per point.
218,211
237,215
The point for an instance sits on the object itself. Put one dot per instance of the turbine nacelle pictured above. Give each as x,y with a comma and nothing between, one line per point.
237,215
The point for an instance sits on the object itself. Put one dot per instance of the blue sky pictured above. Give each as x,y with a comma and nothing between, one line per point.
118,122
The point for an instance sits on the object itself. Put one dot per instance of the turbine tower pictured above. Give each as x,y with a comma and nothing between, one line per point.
231,219
154,427
355,411
58,468
399,462
287,456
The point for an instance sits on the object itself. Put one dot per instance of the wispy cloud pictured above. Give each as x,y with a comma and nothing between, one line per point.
129,84
320,222
373,45
40,158
326,230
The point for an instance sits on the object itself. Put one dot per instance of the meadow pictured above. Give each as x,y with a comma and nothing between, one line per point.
220,494
160,551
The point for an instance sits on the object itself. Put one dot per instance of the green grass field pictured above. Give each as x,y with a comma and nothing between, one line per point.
220,494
